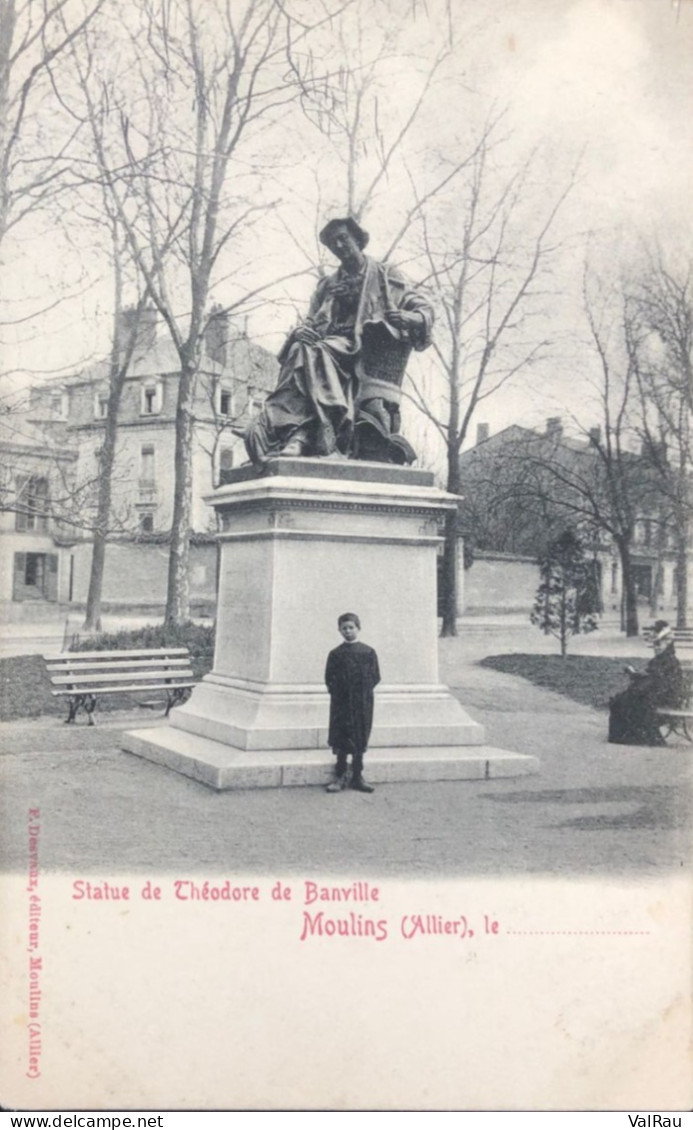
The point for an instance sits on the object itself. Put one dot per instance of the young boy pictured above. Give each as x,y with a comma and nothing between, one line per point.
351,675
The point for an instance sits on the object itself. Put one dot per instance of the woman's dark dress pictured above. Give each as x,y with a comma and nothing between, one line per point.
351,676
632,717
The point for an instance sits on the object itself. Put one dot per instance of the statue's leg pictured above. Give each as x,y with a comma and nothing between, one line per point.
377,425
299,443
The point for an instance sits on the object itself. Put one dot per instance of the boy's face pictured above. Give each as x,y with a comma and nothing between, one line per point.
349,630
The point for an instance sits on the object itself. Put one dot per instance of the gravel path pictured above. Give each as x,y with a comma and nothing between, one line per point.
592,809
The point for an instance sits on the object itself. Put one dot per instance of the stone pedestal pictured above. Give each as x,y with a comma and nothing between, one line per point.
301,544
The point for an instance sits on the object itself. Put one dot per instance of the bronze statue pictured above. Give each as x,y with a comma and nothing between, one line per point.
339,387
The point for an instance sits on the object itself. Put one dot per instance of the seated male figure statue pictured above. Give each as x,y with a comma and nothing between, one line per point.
338,392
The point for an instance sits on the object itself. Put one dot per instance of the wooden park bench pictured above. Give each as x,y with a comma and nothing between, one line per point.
683,640
677,721
81,676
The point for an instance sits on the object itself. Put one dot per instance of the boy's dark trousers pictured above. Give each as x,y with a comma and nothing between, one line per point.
356,763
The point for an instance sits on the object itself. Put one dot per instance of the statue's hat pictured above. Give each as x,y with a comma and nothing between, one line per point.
349,222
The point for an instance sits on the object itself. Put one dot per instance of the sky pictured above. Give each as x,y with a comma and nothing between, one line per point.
612,82
601,86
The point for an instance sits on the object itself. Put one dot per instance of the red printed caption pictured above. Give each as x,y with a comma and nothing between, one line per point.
351,910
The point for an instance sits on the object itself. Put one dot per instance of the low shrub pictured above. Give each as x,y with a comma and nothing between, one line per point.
198,638
25,687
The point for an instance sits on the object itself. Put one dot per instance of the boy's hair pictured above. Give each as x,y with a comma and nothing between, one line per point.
349,616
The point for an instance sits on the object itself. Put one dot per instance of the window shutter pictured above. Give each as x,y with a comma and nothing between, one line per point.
18,577
21,486
52,577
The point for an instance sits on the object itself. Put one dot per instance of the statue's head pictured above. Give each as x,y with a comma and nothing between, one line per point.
342,235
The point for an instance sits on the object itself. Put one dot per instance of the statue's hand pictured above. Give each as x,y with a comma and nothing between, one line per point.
307,335
404,319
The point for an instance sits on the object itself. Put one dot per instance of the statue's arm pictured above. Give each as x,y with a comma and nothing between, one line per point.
310,329
412,313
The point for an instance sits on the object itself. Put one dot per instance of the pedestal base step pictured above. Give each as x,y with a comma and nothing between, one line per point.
224,767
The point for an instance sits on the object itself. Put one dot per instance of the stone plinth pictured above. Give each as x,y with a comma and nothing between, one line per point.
301,544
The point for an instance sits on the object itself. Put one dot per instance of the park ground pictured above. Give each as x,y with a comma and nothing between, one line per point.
592,809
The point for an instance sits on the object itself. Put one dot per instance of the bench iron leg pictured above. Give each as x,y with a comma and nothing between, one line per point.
175,697
86,702
90,707
73,704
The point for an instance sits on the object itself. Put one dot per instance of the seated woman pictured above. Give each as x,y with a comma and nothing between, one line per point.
632,717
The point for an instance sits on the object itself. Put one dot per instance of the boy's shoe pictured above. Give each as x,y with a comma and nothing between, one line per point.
361,785
339,784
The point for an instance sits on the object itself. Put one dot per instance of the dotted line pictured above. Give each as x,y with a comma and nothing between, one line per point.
579,933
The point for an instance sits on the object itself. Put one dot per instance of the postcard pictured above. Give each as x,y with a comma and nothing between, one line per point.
287,282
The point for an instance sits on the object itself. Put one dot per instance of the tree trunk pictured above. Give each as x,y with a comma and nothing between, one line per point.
118,369
564,617
178,594
682,578
450,547
449,576
92,619
630,600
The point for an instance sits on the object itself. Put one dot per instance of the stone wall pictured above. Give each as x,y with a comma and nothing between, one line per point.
499,583
135,576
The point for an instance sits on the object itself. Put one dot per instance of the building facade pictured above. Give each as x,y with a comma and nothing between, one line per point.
35,473
66,424
509,511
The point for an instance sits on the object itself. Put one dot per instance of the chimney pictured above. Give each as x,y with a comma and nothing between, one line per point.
146,328
217,335
481,433
654,451
554,428
595,436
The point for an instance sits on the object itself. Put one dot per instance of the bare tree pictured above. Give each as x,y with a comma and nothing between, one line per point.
186,179
36,142
353,91
102,212
34,35
658,323
122,349
485,273
602,484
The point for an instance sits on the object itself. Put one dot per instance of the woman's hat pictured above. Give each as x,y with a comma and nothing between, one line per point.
661,630
348,222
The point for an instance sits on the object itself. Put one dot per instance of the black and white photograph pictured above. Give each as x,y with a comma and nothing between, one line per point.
346,555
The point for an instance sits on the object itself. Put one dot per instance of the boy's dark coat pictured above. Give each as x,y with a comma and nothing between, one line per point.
351,675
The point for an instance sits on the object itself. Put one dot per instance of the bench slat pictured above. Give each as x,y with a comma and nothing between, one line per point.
76,656
135,687
120,676
114,665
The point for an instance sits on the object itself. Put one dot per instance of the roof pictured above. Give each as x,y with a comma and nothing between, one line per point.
258,365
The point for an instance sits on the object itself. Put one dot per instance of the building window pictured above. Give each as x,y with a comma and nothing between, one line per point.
225,402
32,505
147,466
101,405
59,403
225,458
152,398
147,523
